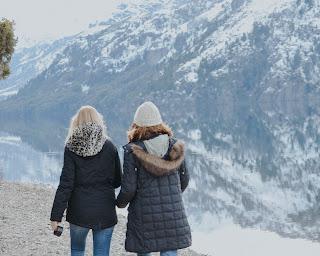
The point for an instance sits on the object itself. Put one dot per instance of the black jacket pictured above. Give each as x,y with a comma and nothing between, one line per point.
153,186
87,188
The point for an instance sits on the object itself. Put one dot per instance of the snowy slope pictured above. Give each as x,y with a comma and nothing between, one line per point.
27,63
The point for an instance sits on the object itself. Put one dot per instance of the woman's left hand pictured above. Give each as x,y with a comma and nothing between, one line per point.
54,225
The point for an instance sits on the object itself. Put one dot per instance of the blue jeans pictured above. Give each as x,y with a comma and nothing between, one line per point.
101,240
167,253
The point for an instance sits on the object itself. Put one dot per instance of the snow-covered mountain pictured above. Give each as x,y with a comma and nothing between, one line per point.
27,63
239,80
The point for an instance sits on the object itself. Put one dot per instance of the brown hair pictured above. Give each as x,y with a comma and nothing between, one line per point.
144,133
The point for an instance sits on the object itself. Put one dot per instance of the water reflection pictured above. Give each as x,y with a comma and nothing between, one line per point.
31,150
23,163
43,135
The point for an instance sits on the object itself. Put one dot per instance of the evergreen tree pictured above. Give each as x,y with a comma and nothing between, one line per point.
7,44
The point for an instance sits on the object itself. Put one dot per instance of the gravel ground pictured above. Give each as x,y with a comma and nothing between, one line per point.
25,228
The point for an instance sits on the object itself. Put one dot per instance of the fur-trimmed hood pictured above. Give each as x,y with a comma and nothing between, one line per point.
87,140
157,165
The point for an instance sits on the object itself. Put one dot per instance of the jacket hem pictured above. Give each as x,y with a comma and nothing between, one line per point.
94,226
159,249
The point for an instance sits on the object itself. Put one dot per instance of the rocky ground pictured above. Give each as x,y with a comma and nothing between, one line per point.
25,228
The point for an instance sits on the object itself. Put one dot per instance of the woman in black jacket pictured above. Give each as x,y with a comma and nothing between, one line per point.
155,175
90,174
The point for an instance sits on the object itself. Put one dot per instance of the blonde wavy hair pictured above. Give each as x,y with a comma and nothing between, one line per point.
86,114
137,132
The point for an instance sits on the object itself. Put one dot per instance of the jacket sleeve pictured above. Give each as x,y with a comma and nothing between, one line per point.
65,188
184,176
118,172
129,179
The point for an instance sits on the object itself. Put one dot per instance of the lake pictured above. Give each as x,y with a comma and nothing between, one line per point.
22,161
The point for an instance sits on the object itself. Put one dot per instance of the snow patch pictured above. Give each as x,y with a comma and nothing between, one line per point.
63,61
213,12
8,92
184,28
85,88
12,140
191,77
224,137
194,134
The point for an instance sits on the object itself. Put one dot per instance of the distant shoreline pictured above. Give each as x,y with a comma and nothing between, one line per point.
25,227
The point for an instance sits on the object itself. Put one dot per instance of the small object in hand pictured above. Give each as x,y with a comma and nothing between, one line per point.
58,231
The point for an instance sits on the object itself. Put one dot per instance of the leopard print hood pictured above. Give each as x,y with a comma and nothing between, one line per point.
86,140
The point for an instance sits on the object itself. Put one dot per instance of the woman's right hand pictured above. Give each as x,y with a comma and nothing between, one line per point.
54,225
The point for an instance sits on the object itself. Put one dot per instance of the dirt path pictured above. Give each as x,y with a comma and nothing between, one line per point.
25,228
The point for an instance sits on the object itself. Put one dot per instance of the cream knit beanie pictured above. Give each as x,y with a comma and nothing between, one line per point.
147,115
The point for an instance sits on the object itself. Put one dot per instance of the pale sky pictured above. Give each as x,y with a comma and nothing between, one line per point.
38,20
